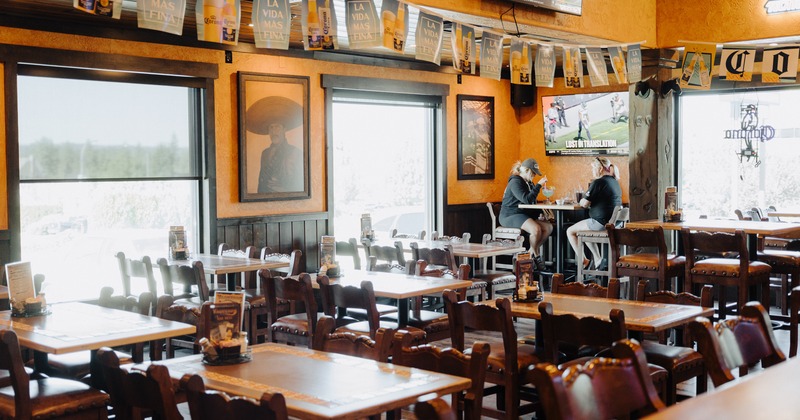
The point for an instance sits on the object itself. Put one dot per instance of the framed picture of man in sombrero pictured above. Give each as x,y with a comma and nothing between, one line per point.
273,137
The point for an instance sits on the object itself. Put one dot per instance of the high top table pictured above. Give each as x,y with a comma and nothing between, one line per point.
560,233
318,385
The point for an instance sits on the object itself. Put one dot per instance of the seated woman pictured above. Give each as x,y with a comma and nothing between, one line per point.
603,195
521,190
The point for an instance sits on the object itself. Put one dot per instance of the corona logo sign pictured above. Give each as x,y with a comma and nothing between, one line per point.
749,130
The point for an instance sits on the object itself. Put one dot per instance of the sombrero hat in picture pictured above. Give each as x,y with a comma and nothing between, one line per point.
274,110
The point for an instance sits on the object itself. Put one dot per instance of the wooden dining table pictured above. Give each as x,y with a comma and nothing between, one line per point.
560,232
76,326
318,385
768,394
461,250
402,287
214,264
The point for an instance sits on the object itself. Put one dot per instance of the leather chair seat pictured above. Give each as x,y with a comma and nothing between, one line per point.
76,365
672,358
649,262
780,258
725,267
526,356
383,309
54,397
658,374
362,328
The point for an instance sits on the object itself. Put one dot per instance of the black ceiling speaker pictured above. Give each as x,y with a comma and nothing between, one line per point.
522,95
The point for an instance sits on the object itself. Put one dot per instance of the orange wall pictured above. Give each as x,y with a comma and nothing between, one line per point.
720,21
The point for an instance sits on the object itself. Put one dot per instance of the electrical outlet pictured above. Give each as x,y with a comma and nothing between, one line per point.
228,57
458,79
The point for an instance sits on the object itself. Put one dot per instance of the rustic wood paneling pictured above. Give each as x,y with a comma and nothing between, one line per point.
472,218
281,233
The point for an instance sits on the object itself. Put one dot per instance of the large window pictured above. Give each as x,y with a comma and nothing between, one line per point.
108,162
383,160
738,150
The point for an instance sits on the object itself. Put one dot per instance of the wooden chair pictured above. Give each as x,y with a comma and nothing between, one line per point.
385,258
76,365
784,263
337,299
294,259
463,239
257,325
601,388
681,361
646,256
298,326
165,309
327,338
725,272
434,409
395,234
501,232
586,289
215,405
186,277
794,321
136,269
739,342
444,259
134,393
246,280
349,248
497,280
451,362
594,238
509,362
27,398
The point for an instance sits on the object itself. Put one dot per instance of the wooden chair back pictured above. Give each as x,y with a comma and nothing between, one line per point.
299,295
349,248
294,259
441,257
395,234
351,344
463,239
602,388
635,239
794,320
706,300
569,330
247,278
383,255
434,409
699,244
184,276
133,392
451,362
165,309
586,289
214,405
336,299
737,342
136,269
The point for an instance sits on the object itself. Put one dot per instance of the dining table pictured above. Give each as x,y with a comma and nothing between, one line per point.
767,394
75,326
560,236
640,317
316,384
401,287
214,264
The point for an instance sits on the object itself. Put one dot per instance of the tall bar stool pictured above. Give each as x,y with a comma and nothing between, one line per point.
600,238
648,258
724,272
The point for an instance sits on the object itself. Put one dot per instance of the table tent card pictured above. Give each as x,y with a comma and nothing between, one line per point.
222,296
20,284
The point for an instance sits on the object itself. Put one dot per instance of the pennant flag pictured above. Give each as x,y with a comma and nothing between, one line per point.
430,31
394,16
166,16
272,23
737,64
521,64
573,67
108,8
363,25
618,64
779,65
327,16
464,48
218,21
697,62
545,65
597,66
634,63
491,55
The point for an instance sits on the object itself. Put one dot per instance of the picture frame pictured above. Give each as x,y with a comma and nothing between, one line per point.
273,106
475,137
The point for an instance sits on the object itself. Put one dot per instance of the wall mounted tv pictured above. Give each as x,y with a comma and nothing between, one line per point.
605,129
572,7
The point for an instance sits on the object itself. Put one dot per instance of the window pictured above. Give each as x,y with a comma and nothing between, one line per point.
738,150
383,160
108,162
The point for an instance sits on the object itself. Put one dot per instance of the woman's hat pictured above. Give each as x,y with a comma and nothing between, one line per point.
532,165
274,110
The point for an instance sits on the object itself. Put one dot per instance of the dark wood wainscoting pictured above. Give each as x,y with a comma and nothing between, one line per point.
5,252
281,233
472,218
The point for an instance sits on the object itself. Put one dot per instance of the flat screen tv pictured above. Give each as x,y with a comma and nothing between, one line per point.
572,7
604,130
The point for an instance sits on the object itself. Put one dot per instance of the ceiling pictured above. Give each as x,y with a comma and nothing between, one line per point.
61,16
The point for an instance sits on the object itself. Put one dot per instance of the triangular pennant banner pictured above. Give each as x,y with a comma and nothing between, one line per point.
545,65
573,67
272,23
779,65
430,31
394,17
363,25
618,64
218,21
166,16
597,66
737,64
491,55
